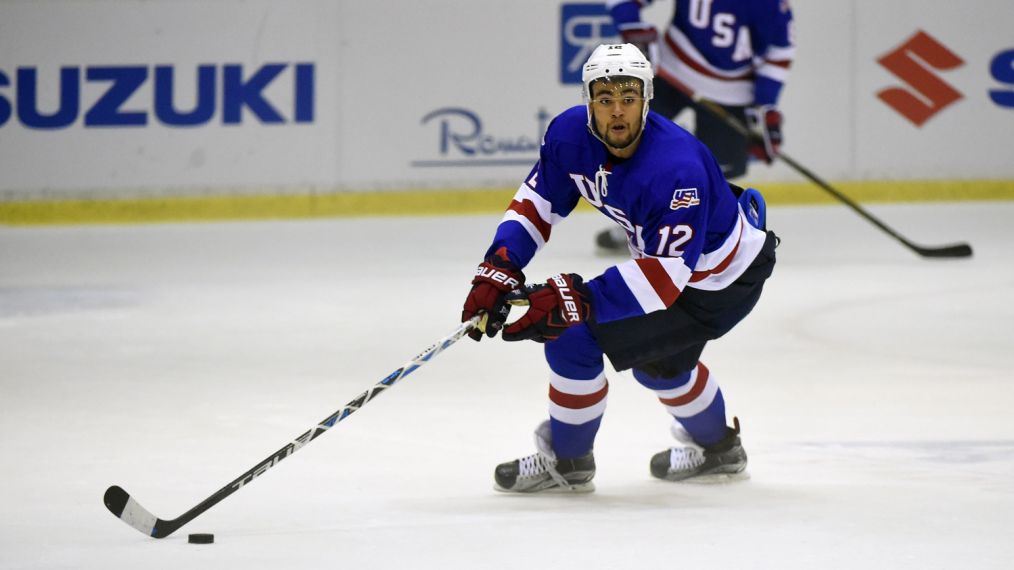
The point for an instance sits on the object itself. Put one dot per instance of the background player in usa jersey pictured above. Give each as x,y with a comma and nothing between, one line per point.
701,256
735,53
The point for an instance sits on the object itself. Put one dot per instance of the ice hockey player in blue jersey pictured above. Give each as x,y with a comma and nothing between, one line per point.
701,256
736,53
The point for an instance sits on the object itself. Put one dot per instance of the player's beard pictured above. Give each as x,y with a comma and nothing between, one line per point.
619,141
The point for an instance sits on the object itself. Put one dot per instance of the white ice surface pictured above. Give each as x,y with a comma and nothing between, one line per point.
875,390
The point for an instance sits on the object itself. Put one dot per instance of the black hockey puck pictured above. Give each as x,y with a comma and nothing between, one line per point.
200,538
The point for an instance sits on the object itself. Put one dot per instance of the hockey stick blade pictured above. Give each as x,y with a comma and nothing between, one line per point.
131,512
956,250
939,252
125,508
946,251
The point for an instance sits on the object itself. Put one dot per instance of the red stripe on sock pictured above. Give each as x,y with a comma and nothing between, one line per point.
695,391
574,401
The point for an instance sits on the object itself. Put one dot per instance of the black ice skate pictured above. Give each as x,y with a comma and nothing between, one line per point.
542,472
723,461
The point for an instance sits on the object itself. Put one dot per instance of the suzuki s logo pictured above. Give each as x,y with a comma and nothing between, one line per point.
1002,69
913,62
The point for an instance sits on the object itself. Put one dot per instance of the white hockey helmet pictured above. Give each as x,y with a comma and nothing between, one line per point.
613,60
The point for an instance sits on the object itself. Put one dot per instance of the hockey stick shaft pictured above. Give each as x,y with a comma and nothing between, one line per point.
124,507
954,250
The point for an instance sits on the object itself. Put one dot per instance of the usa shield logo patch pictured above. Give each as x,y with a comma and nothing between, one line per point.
684,198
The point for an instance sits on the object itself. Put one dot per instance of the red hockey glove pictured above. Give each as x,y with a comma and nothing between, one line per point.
494,278
766,121
644,37
562,302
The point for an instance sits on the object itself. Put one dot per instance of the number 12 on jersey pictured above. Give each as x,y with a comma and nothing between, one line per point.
670,239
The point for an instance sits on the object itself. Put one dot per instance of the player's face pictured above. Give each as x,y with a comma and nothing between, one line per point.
616,108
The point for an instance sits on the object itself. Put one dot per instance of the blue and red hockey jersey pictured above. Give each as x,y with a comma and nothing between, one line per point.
684,225
734,52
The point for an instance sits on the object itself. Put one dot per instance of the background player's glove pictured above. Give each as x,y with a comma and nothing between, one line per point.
561,302
766,121
644,37
494,278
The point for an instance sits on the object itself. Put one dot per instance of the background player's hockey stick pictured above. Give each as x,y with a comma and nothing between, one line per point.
121,504
953,250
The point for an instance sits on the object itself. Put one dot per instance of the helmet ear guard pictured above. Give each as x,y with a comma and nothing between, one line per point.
615,60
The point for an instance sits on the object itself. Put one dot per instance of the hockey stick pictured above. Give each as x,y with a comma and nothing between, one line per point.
121,504
953,250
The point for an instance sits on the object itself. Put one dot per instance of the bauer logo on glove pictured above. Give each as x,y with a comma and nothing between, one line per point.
560,303
494,278
495,275
568,306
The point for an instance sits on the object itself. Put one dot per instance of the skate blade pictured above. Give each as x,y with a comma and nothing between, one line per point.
717,478
556,490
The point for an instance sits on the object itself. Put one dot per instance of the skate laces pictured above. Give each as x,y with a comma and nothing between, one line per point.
690,456
544,460
682,458
532,465
538,464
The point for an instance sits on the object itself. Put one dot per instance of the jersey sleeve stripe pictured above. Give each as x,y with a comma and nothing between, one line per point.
526,224
701,275
730,267
780,54
773,71
655,283
784,64
639,286
717,261
527,210
659,279
543,206
534,213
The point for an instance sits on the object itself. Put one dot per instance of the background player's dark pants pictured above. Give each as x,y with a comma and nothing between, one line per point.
667,343
729,147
